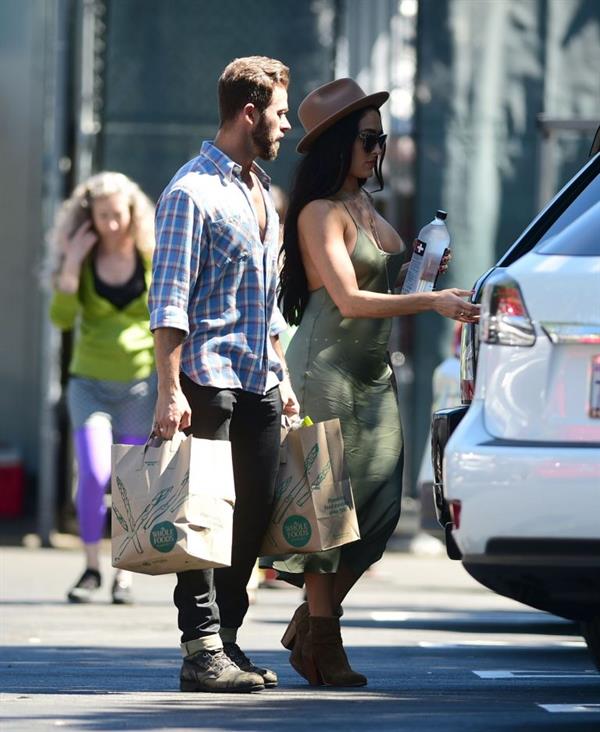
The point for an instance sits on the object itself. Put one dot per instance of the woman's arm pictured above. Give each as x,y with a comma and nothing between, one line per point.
65,302
321,234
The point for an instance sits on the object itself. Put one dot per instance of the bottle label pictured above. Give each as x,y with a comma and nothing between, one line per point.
411,281
419,247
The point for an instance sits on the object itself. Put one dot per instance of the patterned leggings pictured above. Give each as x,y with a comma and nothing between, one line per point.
92,449
103,412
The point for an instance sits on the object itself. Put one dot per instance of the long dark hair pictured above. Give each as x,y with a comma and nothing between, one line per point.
320,174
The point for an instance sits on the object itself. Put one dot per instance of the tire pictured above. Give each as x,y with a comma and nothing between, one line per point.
591,633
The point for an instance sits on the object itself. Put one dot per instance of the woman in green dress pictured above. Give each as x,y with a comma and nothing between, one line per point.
341,261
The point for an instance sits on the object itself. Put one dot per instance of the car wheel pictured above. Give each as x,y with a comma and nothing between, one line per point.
591,633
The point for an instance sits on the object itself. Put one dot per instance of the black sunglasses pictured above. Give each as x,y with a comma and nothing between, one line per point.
371,139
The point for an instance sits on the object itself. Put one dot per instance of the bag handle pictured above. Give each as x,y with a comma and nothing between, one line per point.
155,441
295,422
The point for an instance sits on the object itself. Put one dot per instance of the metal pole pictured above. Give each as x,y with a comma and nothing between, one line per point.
55,93
87,83
547,168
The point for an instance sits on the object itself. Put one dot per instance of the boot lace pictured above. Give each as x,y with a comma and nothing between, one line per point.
241,660
213,661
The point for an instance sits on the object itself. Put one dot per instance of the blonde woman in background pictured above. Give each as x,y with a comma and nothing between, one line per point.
103,236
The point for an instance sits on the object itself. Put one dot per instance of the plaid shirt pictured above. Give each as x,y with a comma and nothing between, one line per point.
214,278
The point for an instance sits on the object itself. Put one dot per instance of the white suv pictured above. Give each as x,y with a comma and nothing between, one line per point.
517,469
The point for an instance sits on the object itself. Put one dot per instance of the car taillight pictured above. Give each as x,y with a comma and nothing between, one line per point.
504,318
455,507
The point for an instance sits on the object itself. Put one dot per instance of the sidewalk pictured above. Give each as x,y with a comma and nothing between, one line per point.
105,667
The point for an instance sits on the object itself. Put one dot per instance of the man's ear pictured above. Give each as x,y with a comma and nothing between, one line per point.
250,113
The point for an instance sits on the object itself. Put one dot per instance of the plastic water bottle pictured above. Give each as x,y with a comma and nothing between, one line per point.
431,245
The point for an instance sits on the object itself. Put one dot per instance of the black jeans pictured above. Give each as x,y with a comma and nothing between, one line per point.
208,599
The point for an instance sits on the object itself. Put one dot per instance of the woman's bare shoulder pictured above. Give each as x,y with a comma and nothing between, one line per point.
321,210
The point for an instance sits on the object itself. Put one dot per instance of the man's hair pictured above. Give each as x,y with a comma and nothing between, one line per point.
249,80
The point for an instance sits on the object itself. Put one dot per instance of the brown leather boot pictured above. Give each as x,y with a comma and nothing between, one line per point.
324,660
294,636
300,616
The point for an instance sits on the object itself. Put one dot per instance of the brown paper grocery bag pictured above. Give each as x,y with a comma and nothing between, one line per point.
314,508
172,505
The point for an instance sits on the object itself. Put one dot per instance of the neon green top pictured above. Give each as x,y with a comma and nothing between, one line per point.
111,344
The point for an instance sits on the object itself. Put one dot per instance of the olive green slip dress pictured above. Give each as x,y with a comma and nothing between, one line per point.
339,368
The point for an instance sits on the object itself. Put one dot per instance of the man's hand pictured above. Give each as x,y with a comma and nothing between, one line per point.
172,413
288,398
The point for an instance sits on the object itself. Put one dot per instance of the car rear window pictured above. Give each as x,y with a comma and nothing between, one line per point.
575,232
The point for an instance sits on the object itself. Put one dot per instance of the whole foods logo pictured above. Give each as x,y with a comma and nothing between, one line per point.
297,531
163,536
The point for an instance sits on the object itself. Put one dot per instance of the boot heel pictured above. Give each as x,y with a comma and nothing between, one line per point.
288,638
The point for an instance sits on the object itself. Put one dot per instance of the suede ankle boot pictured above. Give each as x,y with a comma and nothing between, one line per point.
299,617
294,637
300,620
324,660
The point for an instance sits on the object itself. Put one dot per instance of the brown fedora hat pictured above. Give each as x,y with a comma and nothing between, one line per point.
330,102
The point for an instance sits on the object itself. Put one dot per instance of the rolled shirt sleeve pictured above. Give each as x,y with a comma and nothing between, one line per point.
176,260
277,324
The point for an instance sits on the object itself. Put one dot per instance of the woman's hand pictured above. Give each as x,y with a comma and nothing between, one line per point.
76,249
445,261
451,304
78,246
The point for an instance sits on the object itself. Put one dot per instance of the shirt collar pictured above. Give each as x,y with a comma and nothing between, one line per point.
227,167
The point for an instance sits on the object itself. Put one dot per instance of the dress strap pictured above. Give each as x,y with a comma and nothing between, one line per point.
350,214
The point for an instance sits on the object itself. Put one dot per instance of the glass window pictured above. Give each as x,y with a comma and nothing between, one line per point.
577,235
587,199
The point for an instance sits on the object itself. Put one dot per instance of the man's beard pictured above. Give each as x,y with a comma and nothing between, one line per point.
266,147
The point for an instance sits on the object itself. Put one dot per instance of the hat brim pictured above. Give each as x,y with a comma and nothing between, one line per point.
371,100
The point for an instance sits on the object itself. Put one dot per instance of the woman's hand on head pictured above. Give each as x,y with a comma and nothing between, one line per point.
76,249
80,244
451,304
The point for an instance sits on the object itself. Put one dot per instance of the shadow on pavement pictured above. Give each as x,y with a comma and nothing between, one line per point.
408,689
473,623
423,617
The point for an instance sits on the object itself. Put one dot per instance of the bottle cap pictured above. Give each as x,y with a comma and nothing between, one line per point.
440,214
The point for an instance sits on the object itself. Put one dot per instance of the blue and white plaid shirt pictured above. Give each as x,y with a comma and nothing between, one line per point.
214,278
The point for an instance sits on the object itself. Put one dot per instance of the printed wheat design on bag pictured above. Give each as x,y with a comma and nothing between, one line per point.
162,503
300,492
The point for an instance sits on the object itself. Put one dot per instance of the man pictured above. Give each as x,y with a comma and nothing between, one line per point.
219,362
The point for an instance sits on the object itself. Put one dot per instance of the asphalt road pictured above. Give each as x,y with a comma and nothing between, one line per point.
440,652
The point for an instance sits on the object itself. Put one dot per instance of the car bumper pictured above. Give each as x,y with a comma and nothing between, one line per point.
523,490
528,511
569,587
